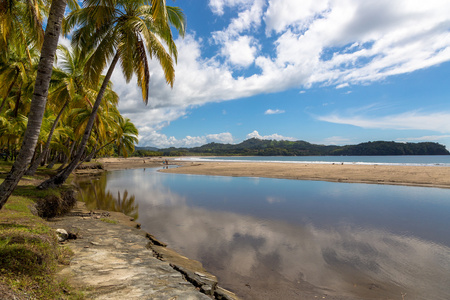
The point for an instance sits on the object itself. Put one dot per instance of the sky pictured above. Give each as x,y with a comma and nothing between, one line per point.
333,72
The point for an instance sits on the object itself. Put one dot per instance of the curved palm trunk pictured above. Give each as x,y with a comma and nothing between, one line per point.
67,157
19,96
38,101
62,176
32,169
95,151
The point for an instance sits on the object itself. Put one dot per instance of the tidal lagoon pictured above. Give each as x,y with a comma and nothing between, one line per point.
277,239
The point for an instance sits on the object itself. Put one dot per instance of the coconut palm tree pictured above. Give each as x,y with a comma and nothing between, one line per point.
126,31
67,84
11,131
52,32
126,136
21,23
17,71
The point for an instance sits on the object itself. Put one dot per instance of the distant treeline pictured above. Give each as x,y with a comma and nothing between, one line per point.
257,147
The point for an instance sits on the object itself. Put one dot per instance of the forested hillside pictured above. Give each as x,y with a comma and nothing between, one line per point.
256,147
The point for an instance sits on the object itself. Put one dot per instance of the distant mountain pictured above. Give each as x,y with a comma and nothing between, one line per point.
257,147
393,148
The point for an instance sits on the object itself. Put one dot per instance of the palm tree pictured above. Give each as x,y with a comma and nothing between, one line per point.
21,23
39,100
68,84
126,31
11,131
17,70
126,136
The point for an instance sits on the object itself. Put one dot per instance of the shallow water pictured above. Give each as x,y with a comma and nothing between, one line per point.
271,238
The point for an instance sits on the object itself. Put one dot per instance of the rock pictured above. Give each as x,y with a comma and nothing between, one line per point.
205,282
223,294
72,236
62,235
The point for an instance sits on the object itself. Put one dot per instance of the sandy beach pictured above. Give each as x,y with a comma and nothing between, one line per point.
428,176
118,163
376,174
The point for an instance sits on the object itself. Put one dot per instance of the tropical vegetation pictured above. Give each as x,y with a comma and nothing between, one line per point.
66,112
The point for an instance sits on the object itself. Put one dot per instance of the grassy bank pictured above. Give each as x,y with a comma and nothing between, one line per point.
30,255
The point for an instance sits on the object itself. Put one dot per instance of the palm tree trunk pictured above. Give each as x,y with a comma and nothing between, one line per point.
53,162
38,100
67,157
19,96
62,176
32,169
95,151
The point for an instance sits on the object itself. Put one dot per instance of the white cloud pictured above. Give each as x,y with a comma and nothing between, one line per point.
224,137
413,120
217,6
282,14
274,111
154,138
327,42
275,136
342,85
240,52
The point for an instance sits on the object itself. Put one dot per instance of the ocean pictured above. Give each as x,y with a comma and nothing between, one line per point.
407,160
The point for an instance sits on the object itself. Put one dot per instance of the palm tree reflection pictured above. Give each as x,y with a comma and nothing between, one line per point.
95,195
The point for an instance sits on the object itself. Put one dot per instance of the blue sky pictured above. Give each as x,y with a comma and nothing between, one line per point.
324,71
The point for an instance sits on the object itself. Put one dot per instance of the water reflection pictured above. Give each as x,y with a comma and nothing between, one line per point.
272,244
94,193
346,259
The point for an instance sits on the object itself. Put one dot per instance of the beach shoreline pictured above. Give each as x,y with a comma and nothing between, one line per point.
425,176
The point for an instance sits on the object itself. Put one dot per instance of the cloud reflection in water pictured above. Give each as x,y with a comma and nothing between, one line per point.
346,258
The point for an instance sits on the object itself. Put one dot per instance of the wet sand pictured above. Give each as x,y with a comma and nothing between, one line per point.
377,174
119,163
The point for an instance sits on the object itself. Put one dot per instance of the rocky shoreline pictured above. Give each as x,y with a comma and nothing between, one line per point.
101,234
115,259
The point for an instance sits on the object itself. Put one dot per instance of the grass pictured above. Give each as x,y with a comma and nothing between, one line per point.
109,221
30,255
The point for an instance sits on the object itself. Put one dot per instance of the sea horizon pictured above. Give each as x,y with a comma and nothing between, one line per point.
390,160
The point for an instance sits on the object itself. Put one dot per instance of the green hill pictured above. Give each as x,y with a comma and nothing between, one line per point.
257,147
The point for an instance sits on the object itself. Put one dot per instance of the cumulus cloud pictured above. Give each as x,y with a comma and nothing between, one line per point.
241,51
313,42
274,111
275,136
159,140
